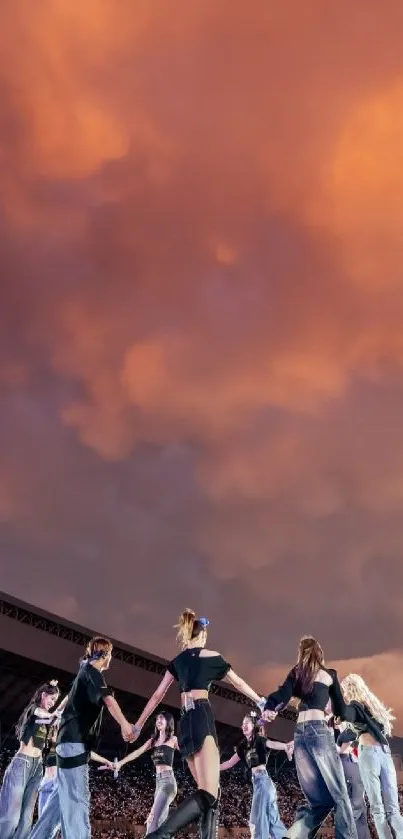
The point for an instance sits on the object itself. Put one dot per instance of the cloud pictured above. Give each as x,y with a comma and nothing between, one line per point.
200,323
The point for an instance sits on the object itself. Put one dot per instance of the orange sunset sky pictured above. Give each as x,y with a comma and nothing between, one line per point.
201,307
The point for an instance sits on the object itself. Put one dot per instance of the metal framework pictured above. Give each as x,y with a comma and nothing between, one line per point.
135,659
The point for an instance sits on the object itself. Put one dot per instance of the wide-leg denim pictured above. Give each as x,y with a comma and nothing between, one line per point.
165,792
74,795
18,796
45,790
264,820
48,824
378,775
322,781
355,788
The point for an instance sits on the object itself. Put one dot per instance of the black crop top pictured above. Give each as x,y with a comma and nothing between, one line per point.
49,754
163,755
35,729
195,672
317,699
254,753
363,722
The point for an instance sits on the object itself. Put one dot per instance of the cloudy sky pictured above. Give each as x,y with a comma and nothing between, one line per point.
201,306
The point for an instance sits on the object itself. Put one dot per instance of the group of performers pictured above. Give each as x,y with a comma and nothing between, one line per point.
61,736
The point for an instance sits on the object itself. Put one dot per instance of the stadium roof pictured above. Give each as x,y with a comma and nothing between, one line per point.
36,646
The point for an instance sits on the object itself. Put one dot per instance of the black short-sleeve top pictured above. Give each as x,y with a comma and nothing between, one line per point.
196,672
253,753
36,730
81,718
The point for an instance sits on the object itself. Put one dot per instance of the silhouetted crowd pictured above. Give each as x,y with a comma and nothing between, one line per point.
129,798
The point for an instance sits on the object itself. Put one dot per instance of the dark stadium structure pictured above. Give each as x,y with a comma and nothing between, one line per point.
36,646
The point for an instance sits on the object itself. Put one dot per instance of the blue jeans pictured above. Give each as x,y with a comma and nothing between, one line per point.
165,792
18,796
379,778
74,795
355,789
48,824
264,820
322,781
45,790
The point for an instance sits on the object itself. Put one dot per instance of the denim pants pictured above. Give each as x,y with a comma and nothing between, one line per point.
378,775
355,789
48,824
264,820
165,792
18,796
322,781
74,795
45,790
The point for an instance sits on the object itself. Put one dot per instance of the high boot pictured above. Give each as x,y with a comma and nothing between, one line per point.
189,810
209,822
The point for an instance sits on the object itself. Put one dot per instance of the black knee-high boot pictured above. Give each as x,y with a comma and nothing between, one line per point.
209,822
189,810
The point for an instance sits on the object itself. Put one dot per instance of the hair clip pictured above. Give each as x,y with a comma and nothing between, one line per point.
53,683
204,622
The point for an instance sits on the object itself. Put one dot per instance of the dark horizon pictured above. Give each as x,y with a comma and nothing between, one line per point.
201,361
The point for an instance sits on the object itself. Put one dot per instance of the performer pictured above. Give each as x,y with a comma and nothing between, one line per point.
264,818
78,731
345,745
163,744
23,775
195,668
317,762
372,721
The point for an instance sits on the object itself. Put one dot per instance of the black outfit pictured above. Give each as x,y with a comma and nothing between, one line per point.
355,787
82,715
253,753
363,722
196,673
35,729
317,699
163,756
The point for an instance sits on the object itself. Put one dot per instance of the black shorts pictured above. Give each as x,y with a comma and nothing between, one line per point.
194,726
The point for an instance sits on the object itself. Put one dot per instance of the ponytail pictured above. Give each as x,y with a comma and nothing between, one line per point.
189,627
97,648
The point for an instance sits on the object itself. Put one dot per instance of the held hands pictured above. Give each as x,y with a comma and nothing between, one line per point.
289,749
127,731
269,716
132,734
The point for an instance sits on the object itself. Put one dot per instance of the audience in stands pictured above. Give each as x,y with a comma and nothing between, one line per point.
119,804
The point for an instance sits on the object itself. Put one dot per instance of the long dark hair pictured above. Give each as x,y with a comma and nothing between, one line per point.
256,729
310,660
51,689
169,729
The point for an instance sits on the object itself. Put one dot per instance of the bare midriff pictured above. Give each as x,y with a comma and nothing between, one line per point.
367,740
194,694
312,714
29,750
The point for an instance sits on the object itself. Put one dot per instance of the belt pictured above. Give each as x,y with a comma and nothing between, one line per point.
185,710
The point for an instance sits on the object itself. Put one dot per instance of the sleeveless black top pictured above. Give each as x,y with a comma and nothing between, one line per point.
195,672
163,755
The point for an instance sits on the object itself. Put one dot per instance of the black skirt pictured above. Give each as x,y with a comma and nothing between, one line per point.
194,726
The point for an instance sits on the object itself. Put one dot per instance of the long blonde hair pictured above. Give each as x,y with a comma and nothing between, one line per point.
356,690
